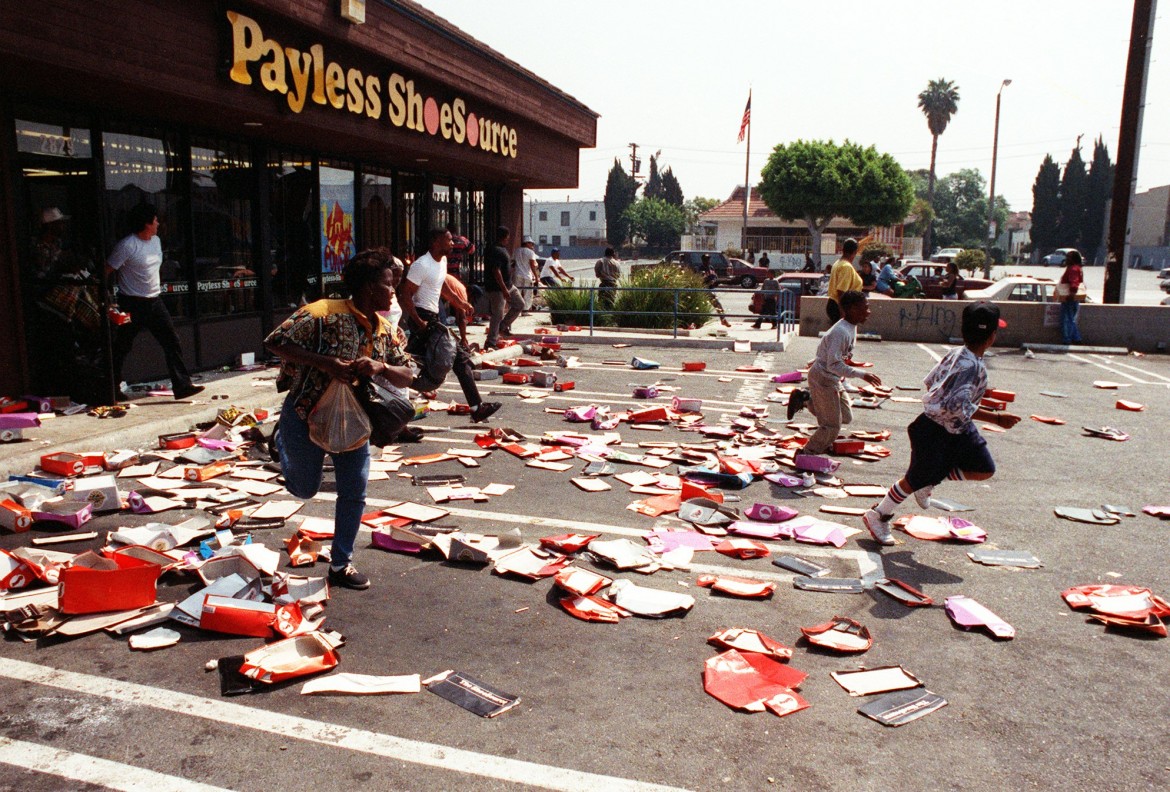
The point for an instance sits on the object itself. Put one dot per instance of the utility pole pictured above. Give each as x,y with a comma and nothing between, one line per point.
1133,101
991,229
634,161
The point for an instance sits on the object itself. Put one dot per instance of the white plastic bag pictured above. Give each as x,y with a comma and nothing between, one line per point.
338,423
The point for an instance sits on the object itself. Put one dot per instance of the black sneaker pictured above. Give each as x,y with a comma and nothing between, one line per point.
187,392
796,402
484,410
348,577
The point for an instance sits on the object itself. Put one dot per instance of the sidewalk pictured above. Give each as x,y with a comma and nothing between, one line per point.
151,416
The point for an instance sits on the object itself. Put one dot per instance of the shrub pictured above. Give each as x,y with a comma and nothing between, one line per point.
571,306
971,259
655,309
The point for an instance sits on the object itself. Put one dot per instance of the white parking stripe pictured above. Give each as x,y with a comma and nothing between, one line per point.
936,356
91,769
383,746
1102,358
1110,369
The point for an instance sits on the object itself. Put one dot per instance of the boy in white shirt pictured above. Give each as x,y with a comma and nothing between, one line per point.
826,397
944,441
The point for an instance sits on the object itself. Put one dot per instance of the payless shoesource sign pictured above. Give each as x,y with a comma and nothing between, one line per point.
307,76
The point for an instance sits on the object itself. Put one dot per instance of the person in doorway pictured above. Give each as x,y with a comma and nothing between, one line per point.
842,278
552,273
770,302
1070,306
136,261
945,443
331,340
501,294
607,269
826,397
525,273
422,290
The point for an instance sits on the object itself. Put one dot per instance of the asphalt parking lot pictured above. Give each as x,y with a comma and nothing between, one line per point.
1067,703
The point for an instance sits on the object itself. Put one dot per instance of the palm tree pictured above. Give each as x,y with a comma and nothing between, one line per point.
938,103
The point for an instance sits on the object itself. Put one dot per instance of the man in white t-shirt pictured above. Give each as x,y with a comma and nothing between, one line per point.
420,301
136,261
552,272
524,274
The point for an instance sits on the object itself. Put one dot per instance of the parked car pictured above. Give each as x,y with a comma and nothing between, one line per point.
931,275
946,255
1056,257
746,275
728,271
1017,288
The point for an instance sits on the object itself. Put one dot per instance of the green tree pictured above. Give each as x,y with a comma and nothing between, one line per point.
653,188
1045,207
658,223
1074,187
695,207
960,205
971,260
815,181
671,190
938,103
620,191
1097,193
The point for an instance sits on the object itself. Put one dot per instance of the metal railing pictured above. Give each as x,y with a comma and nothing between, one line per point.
602,300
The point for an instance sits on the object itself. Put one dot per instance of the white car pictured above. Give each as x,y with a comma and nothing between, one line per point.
946,255
1017,288
1056,257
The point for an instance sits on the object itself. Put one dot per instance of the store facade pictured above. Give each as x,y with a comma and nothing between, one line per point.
275,139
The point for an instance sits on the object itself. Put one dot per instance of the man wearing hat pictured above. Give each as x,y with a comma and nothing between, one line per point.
945,443
552,272
525,274
48,247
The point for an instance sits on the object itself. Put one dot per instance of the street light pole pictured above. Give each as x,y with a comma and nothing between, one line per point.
991,229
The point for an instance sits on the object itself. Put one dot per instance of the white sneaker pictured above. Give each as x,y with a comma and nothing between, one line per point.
923,498
879,527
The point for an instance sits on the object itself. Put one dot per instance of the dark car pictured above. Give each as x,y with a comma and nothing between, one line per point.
744,274
931,275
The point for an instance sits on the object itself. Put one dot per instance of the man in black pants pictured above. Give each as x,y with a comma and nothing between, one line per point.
136,260
421,292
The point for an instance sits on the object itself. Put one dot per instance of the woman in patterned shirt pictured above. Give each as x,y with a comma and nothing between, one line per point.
323,341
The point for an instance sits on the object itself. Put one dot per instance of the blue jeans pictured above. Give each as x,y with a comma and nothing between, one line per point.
1068,321
302,463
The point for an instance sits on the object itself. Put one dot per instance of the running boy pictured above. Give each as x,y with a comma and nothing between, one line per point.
826,397
944,441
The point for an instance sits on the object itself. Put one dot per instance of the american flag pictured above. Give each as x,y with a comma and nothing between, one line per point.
747,118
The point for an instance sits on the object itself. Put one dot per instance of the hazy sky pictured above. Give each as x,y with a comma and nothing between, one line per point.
673,75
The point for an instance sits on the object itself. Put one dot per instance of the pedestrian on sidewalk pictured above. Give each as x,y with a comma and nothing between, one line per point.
1070,305
826,397
323,341
945,444
607,269
422,291
524,272
136,260
501,294
842,278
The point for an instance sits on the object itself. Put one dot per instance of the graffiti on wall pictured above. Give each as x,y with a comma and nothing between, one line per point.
929,315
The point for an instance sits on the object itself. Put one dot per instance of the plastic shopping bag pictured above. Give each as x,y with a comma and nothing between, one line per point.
338,423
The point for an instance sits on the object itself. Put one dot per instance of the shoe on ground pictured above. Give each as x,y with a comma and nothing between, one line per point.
796,402
879,527
484,410
922,497
348,577
188,392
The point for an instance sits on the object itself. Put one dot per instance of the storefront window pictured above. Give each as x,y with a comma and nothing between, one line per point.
441,208
337,240
377,220
221,203
293,221
411,233
146,169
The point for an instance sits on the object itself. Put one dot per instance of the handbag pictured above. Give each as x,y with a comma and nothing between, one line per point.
387,408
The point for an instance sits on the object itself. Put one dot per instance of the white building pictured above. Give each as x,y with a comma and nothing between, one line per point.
565,224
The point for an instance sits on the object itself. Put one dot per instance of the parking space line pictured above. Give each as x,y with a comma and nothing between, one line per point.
1102,358
87,769
1108,368
384,746
936,356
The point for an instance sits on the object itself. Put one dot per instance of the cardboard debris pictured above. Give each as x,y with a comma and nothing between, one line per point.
361,685
867,681
1106,433
1091,516
746,640
942,528
593,609
969,614
621,553
290,658
648,602
800,566
158,638
742,548
94,583
1006,558
530,563
1131,607
734,586
581,582
471,694
829,585
568,543
753,682
903,706
1048,419
903,592
841,634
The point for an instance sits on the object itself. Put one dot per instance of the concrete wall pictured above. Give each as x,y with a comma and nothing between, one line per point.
1137,327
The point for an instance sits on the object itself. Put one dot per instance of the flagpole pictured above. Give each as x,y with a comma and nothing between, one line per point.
747,187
